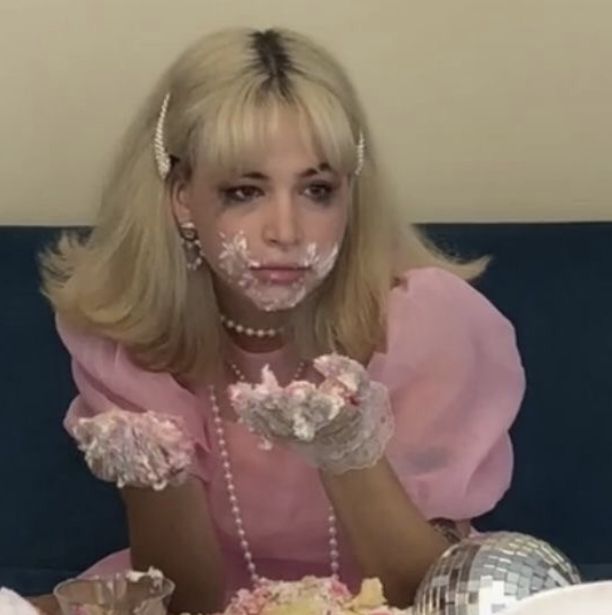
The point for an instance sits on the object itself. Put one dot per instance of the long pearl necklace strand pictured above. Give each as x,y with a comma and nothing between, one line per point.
230,486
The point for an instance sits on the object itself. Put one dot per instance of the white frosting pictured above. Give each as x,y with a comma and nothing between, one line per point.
235,258
154,574
299,410
308,596
236,261
321,263
139,449
343,424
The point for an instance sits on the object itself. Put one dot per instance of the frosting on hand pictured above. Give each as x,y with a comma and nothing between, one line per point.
136,449
343,423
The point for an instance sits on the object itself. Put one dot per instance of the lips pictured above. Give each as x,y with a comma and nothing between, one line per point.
279,274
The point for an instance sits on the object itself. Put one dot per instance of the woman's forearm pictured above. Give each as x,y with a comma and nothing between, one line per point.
172,530
389,537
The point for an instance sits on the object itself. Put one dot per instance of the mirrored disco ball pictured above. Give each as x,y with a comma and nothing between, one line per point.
486,574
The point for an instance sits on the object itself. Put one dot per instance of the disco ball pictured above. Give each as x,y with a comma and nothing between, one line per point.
486,574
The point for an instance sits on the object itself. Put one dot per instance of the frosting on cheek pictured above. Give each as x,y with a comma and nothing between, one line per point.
321,263
235,260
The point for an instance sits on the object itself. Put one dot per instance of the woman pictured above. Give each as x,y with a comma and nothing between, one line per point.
244,226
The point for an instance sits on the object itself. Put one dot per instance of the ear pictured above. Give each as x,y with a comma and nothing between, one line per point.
180,199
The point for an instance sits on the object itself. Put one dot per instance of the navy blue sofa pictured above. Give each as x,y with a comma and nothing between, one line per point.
554,281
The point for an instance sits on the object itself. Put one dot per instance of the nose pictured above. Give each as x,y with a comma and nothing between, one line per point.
282,226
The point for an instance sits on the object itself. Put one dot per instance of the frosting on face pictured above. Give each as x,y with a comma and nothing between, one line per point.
240,268
235,259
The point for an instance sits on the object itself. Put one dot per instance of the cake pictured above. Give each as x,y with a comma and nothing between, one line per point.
310,596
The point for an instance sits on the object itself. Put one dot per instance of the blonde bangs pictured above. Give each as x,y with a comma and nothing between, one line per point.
325,121
236,125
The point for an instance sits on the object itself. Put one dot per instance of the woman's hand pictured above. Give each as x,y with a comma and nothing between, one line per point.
135,449
342,424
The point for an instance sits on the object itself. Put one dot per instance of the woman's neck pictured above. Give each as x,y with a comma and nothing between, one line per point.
256,344
241,317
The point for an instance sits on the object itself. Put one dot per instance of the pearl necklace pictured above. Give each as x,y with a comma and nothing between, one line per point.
228,323
230,486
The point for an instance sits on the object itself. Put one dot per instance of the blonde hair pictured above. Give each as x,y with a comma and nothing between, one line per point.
128,279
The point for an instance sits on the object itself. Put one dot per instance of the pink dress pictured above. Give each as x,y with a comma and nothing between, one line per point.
456,383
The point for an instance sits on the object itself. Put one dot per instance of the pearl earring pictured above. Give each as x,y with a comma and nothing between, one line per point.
191,245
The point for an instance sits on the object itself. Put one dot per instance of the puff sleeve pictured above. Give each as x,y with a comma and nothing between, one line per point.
456,383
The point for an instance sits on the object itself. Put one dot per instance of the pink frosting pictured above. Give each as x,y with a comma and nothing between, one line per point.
456,382
301,409
310,595
137,449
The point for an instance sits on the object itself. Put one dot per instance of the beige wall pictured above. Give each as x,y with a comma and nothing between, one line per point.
483,109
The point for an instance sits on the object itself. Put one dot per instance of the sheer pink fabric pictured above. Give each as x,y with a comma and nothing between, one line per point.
456,383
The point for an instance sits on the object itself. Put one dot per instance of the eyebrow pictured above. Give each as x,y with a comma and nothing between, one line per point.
307,173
